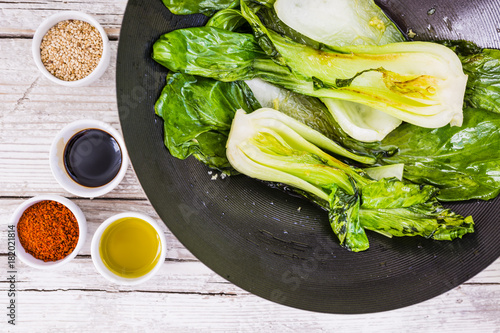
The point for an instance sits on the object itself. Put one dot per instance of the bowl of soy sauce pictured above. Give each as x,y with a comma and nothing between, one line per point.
88,158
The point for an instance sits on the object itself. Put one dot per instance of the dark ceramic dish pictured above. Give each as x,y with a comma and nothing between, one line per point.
257,237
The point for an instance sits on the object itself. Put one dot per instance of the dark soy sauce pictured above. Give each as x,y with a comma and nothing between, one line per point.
92,157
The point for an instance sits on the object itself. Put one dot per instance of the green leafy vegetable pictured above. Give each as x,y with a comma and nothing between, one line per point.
316,76
483,68
209,52
268,145
340,22
386,171
197,114
428,219
309,110
207,7
464,162
421,83
422,98
227,19
343,213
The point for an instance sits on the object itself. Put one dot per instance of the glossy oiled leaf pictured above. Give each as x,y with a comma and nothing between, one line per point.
227,19
429,220
464,162
207,7
232,19
306,109
344,219
483,68
392,193
396,208
197,114
209,52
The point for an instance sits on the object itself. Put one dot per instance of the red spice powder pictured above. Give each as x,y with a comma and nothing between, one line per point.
48,230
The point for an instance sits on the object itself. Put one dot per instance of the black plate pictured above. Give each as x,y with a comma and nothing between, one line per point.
281,247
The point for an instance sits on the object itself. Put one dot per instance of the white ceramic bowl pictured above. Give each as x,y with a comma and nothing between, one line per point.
56,158
63,16
109,275
27,258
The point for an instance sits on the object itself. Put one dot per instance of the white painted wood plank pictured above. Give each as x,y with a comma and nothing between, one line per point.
33,110
21,18
469,308
174,277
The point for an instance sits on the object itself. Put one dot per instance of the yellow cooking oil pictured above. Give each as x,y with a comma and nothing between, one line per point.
130,247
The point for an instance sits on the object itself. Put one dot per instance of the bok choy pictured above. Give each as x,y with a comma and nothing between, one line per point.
207,7
270,146
197,114
421,83
464,162
338,22
343,83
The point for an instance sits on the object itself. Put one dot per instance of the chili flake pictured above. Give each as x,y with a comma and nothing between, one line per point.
48,230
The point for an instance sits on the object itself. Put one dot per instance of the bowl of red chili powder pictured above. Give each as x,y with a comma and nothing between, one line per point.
50,231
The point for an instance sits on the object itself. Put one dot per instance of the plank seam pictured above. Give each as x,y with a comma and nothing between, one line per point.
221,294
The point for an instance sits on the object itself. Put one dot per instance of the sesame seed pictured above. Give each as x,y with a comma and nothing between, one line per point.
71,49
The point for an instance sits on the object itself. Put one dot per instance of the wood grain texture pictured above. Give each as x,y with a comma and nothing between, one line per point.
33,110
22,18
465,309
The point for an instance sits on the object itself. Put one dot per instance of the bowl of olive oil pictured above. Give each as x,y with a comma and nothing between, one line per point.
128,248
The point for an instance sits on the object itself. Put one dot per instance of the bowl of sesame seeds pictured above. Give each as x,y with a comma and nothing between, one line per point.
71,48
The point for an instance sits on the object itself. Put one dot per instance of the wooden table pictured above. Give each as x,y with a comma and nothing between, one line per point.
185,295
